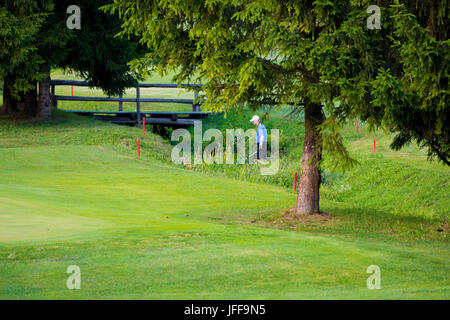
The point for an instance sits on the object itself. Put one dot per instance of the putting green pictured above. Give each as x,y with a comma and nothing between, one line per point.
57,191
24,220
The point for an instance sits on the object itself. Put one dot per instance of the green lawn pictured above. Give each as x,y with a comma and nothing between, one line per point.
73,192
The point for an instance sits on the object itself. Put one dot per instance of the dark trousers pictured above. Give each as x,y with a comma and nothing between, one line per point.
261,151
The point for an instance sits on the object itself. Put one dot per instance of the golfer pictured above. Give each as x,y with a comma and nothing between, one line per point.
261,139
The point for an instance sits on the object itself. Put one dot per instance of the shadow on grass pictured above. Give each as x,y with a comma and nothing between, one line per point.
58,118
356,222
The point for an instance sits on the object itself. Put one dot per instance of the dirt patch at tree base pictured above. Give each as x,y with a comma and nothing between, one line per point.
292,219
315,218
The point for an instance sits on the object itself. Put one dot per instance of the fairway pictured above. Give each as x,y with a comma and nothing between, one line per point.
144,229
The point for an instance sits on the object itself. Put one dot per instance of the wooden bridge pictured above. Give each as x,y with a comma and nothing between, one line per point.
162,118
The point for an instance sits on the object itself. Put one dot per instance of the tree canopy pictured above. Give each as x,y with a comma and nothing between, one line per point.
396,77
20,23
260,52
34,38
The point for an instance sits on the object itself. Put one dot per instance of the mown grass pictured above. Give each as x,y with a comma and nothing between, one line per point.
73,192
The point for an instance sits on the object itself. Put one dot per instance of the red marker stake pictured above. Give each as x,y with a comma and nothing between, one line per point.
374,146
295,181
357,127
71,90
143,125
139,147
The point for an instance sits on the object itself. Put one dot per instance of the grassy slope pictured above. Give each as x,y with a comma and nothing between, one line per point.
389,194
73,192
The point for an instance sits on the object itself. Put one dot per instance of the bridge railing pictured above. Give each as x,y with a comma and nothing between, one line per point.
55,98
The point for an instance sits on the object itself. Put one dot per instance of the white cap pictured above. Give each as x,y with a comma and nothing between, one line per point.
255,117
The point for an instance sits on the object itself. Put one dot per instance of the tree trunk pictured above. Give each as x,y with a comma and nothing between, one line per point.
28,101
31,101
44,104
309,183
9,101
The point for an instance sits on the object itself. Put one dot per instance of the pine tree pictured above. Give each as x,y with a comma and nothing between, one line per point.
247,53
318,55
45,42
395,77
20,22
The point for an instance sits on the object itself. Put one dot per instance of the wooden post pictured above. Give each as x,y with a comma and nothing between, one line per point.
52,97
120,103
138,105
195,106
